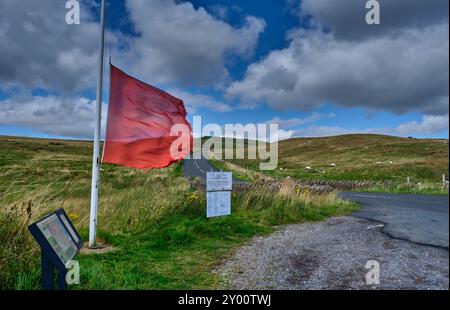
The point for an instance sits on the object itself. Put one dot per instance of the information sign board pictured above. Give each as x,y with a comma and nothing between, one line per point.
218,203
59,242
58,236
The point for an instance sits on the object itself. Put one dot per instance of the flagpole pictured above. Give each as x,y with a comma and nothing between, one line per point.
96,154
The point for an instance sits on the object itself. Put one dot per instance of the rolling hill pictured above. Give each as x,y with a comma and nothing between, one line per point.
359,157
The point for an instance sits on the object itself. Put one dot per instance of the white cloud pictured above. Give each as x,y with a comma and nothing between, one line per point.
402,73
294,122
346,18
195,101
39,50
179,43
281,135
271,136
71,117
176,44
402,66
219,10
325,131
429,125
75,116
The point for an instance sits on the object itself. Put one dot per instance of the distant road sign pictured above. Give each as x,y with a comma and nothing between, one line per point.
218,204
219,181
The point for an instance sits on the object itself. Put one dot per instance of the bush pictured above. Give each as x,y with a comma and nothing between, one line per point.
18,258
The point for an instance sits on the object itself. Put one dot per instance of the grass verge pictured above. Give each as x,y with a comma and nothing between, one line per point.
403,188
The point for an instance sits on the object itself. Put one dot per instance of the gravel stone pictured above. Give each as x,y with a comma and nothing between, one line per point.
333,255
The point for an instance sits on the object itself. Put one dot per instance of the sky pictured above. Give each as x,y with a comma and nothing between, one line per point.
314,67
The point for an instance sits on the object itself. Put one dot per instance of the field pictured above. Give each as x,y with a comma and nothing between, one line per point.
155,222
358,157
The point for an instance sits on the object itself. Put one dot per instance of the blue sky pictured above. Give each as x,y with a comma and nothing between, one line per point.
305,65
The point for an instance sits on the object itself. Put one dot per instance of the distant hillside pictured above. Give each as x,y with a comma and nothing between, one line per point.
360,157
356,157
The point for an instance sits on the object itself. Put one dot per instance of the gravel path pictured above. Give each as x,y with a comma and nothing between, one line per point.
333,255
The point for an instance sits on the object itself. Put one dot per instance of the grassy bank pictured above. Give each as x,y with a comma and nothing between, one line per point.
152,218
403,188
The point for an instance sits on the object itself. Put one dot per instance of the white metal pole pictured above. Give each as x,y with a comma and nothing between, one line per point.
96,156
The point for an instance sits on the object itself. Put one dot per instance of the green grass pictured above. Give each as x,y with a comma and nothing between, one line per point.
403,188
180,251
154,220
238,174
177,253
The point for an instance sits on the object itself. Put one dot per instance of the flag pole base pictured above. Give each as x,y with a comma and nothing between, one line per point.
98,248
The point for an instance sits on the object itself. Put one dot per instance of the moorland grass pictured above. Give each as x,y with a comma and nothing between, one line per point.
356,157
152,218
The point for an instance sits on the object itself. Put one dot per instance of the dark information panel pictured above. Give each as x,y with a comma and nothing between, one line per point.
59,242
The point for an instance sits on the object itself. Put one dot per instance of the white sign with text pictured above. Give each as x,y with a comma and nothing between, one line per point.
218,204
219,181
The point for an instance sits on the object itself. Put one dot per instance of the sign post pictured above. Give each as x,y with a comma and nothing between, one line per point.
218,193
59,242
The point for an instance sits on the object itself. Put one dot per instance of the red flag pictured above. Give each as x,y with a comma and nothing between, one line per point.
146,127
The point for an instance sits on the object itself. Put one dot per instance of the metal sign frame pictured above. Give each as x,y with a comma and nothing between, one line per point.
49,258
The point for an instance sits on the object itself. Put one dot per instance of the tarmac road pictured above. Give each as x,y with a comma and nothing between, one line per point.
197,168
422,219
